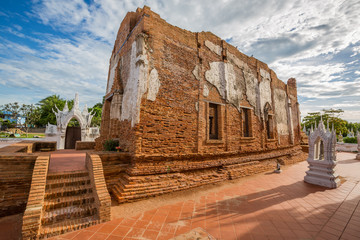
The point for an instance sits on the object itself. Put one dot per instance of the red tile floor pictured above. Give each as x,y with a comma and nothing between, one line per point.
267,206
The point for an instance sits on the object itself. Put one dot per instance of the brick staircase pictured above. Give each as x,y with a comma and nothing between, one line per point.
69,204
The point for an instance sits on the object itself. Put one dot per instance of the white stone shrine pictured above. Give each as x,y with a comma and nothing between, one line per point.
83,117
322,158
51,130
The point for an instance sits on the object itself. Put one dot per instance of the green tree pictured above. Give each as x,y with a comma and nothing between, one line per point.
329,115
97,111
46,109
31,114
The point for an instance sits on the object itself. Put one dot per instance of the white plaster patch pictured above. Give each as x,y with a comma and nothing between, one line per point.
213,47
280,111
216,76
196,73
206,91
222,76
233,59
138,83
265,89
136,86
154,85
264,73
251,85
197,106
111,78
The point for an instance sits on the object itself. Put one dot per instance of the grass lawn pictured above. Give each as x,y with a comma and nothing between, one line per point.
30,135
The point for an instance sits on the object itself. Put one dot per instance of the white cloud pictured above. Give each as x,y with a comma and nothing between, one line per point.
296,38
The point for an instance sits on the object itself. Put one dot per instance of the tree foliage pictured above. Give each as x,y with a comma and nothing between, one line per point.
46,108
14,108
331,116
97,111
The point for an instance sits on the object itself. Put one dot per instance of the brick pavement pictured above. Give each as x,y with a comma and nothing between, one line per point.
267,206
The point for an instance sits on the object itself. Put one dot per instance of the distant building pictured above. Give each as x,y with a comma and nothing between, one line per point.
8,116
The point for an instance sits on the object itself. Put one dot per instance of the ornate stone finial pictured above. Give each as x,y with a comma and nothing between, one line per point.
66,108
312,128
327,125
76,102
85,111
321,124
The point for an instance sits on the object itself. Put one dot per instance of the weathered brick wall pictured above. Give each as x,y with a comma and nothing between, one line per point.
156,164
176,121
15,180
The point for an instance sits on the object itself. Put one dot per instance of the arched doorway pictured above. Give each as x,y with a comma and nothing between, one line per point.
73,134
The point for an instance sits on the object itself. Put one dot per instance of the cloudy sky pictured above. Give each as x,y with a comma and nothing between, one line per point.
62,47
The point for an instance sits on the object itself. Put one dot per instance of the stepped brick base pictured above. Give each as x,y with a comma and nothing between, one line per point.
149,178
138,187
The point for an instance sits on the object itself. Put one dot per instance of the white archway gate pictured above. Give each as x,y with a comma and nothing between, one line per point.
83,117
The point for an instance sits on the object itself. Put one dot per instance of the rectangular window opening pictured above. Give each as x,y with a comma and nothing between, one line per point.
213,121
246,119
270,127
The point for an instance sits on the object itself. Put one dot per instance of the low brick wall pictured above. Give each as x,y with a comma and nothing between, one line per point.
32,215
15,180
44,146
102,196
29,146
346,147
13,148
82,145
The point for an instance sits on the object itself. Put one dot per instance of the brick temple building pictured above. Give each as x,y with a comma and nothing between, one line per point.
189,109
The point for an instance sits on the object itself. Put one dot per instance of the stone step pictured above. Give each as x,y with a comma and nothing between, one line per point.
64,175
67,213
67,182
129,198
68,191
62,202
126,196
125,184
130,189
67,226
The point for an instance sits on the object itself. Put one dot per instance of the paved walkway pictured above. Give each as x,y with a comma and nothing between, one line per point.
67,160
268,206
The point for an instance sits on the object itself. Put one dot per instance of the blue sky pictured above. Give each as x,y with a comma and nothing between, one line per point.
62,47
